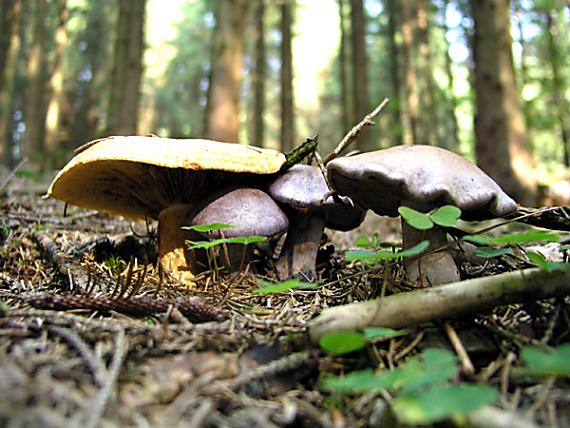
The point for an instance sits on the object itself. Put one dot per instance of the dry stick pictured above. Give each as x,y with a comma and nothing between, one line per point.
444,301
13,173
353,133
97,406
466,364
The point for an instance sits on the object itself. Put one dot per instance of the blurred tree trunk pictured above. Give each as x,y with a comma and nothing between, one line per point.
502,146
410,78
453,133
347,118
259,76
558,85
287,102
127,68
429,125
55,105
395,104
222,109
6,21
35,108
360,73
13,15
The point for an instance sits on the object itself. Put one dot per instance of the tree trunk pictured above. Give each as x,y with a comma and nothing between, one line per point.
222,110
56,101
35,94
287,102
347,118
394,72
453,133
127,68
428,117
360,73
502,146
7,80
558,86
259,76
410,78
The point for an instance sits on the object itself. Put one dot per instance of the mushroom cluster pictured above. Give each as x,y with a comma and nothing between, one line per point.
190,182
423,178
165,179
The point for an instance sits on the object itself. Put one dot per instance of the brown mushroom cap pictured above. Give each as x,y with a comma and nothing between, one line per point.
250,211
303,188
421,177
140,176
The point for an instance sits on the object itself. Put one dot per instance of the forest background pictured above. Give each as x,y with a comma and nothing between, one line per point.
485,78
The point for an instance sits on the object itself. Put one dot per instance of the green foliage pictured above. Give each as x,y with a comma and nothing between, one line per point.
373,257
115,264
212,227
441,403
446,216
515,238
372,242
282,287
488,252
539,260
342,342
539,362
205,228
371,333
423,387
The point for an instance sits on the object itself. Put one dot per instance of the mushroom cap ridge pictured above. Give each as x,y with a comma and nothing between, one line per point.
139,176
421,177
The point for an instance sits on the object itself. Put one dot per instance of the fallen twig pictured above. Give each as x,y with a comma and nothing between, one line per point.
12,173
442,302
94,412
352,135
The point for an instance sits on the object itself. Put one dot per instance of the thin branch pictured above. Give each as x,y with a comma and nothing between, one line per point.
443,302
96,409
352,135
12,173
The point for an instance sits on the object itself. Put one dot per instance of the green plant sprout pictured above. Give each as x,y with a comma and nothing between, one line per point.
221,242
423,387
340,343
282,287
115,264
539,362
445,216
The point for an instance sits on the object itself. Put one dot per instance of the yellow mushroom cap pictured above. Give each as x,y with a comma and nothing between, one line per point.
138,176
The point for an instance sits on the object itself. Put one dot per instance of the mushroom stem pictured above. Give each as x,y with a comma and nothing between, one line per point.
433,268
299,254
174,256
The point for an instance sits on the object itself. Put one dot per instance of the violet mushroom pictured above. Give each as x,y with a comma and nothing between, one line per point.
423,178
251,212
163,179
311,208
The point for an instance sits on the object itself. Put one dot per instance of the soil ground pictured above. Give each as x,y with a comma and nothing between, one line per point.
90,335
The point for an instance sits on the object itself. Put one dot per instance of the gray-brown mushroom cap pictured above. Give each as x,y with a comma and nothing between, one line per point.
304,189
421,177
250,211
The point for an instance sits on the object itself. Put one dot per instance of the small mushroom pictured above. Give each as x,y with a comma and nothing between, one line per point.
423,178
160,178
303,190
251,212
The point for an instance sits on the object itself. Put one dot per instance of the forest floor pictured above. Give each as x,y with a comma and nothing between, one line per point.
88,339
